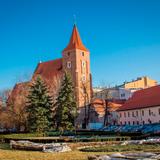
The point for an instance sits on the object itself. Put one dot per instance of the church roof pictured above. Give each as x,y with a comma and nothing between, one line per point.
49,69
75,41
149,97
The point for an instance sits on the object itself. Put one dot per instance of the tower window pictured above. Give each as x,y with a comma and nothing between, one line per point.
83,63
82,53
83,78
68,53
69,64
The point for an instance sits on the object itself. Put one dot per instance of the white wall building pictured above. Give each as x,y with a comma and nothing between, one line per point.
113,93
142,108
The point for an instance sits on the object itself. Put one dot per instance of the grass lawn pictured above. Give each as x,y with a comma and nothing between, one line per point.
21,136
7,154
99,148
125,148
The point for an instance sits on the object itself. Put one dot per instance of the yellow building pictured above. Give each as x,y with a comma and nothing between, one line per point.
140,83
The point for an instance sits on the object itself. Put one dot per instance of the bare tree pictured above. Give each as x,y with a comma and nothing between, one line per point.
86,98
4,94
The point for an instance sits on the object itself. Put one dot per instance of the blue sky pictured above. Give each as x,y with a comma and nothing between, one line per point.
123,37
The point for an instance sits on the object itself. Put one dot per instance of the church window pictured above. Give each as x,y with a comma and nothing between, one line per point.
83,63
68,53
82,53
83,78
69,64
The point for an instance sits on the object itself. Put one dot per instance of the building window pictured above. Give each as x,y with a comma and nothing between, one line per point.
128,114
136,113
83,78
69,64
129,122
124,114
149,121
132,114
137,122
159,111
123,95
143,122
68,53
83,64
142,112
120,115
133,122
125,122
82,53
149,112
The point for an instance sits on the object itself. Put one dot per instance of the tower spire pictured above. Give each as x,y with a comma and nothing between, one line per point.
75,41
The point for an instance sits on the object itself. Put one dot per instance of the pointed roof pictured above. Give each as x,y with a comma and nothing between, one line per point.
75,41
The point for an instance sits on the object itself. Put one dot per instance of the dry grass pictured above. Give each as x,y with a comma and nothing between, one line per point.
27,155
8,154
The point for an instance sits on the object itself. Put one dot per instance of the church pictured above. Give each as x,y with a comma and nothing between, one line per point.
75,61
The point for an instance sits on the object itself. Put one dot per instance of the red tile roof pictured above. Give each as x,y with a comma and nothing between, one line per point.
99,105
75,41
149,97
49,69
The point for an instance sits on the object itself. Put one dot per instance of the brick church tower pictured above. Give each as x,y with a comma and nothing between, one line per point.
76,61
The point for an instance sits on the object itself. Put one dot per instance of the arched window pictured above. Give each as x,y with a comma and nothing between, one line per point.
69,64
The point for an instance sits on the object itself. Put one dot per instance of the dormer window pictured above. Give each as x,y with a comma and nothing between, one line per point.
69,64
